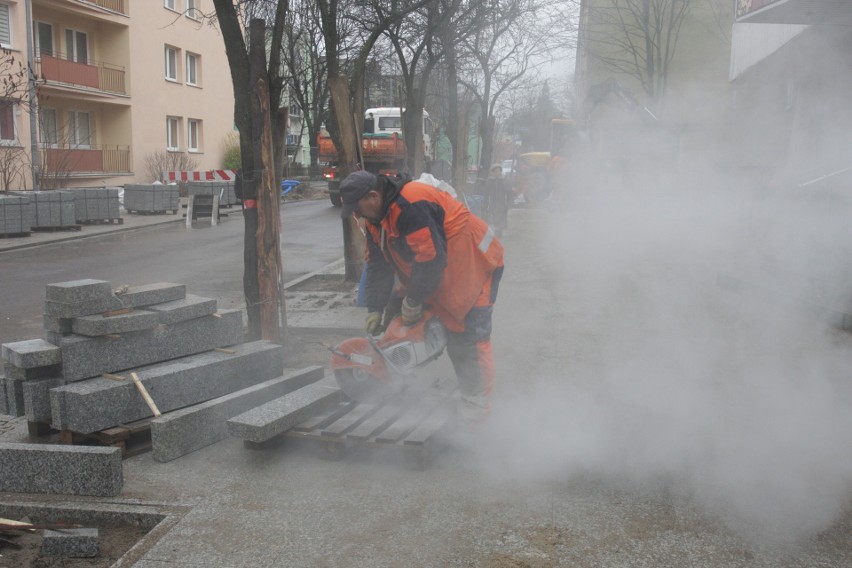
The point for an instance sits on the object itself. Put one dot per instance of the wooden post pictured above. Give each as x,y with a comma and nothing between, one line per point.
268,200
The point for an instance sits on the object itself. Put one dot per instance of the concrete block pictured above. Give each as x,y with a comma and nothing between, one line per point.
67,470
84,357
95,404
101,325
37,398
70,543
31,353
21,374
276,416
149,294
189,429
75,291
190,307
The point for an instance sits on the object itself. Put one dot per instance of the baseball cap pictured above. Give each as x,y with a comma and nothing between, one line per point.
354,187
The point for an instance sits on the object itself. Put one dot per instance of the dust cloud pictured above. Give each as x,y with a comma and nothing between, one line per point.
683,334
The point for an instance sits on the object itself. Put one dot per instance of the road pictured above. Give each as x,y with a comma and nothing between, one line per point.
209,260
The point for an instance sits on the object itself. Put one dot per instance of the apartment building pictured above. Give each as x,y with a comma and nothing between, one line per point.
120,83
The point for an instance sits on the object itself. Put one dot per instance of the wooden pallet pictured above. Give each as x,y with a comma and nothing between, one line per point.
14,235
133,438
160,212
116,221
411,424
54,229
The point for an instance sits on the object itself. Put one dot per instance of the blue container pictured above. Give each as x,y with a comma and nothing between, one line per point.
289,185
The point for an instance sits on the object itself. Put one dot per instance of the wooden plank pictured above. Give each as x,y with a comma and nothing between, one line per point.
391,411
323,419
434,424
411,419
350,420
144,392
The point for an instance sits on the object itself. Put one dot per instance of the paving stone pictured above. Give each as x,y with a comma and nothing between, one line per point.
70,543
93,326
94,404
84,357
276,416
67,470
75,291
31,353
190,307
37,398
189,429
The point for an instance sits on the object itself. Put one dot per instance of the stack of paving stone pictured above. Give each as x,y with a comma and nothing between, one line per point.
224,189
151,198
17,215
96,204
54,209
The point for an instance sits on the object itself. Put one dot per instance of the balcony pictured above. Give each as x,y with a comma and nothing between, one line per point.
118,6
75,160
95,75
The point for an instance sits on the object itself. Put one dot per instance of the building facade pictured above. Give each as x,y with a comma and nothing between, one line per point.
122,88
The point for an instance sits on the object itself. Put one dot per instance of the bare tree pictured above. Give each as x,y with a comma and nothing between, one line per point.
13,167
516,38
306,68
161,161
637,38
15,93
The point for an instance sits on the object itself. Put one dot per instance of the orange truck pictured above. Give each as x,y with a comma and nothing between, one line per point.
382,147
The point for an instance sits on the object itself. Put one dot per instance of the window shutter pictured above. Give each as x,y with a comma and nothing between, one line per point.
5,30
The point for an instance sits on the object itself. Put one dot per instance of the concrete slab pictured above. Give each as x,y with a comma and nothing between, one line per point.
72,470
84,357
189,429
267,420
75,291
95,404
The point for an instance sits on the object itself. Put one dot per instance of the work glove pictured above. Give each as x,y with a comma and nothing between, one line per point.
392,309
411,311
373,325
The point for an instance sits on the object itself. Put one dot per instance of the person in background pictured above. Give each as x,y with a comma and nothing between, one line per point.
445,259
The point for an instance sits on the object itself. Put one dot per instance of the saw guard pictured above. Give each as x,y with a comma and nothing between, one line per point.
360,371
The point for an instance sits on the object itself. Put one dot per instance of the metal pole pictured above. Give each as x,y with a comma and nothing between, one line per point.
33,105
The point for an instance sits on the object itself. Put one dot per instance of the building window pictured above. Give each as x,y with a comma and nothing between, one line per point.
76,44
79,125
191,10
43,39
170,4
192,61
172,133
7,122
5,27
171,63
193,135
49,131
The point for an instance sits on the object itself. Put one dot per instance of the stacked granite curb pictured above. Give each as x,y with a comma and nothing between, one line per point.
17,214
151,198
53,209
93,205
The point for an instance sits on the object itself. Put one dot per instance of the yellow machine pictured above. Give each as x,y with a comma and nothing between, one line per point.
536,170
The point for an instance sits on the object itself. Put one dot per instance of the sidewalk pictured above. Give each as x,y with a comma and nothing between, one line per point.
130,222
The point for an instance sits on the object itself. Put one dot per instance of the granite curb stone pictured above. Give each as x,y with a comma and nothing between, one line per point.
75,291
276,416
189,307
20,374
14,397
37,398
70,543
71,470
94,404
189,429
94,326
84,357
4,408
31,353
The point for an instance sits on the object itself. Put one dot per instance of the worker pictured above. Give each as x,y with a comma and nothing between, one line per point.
444,259
499,199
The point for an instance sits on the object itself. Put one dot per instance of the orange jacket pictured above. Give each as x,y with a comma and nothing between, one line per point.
442,254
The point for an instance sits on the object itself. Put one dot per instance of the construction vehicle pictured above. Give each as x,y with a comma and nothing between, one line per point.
382,146
535,170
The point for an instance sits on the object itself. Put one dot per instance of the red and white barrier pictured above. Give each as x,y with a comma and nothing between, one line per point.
209,175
